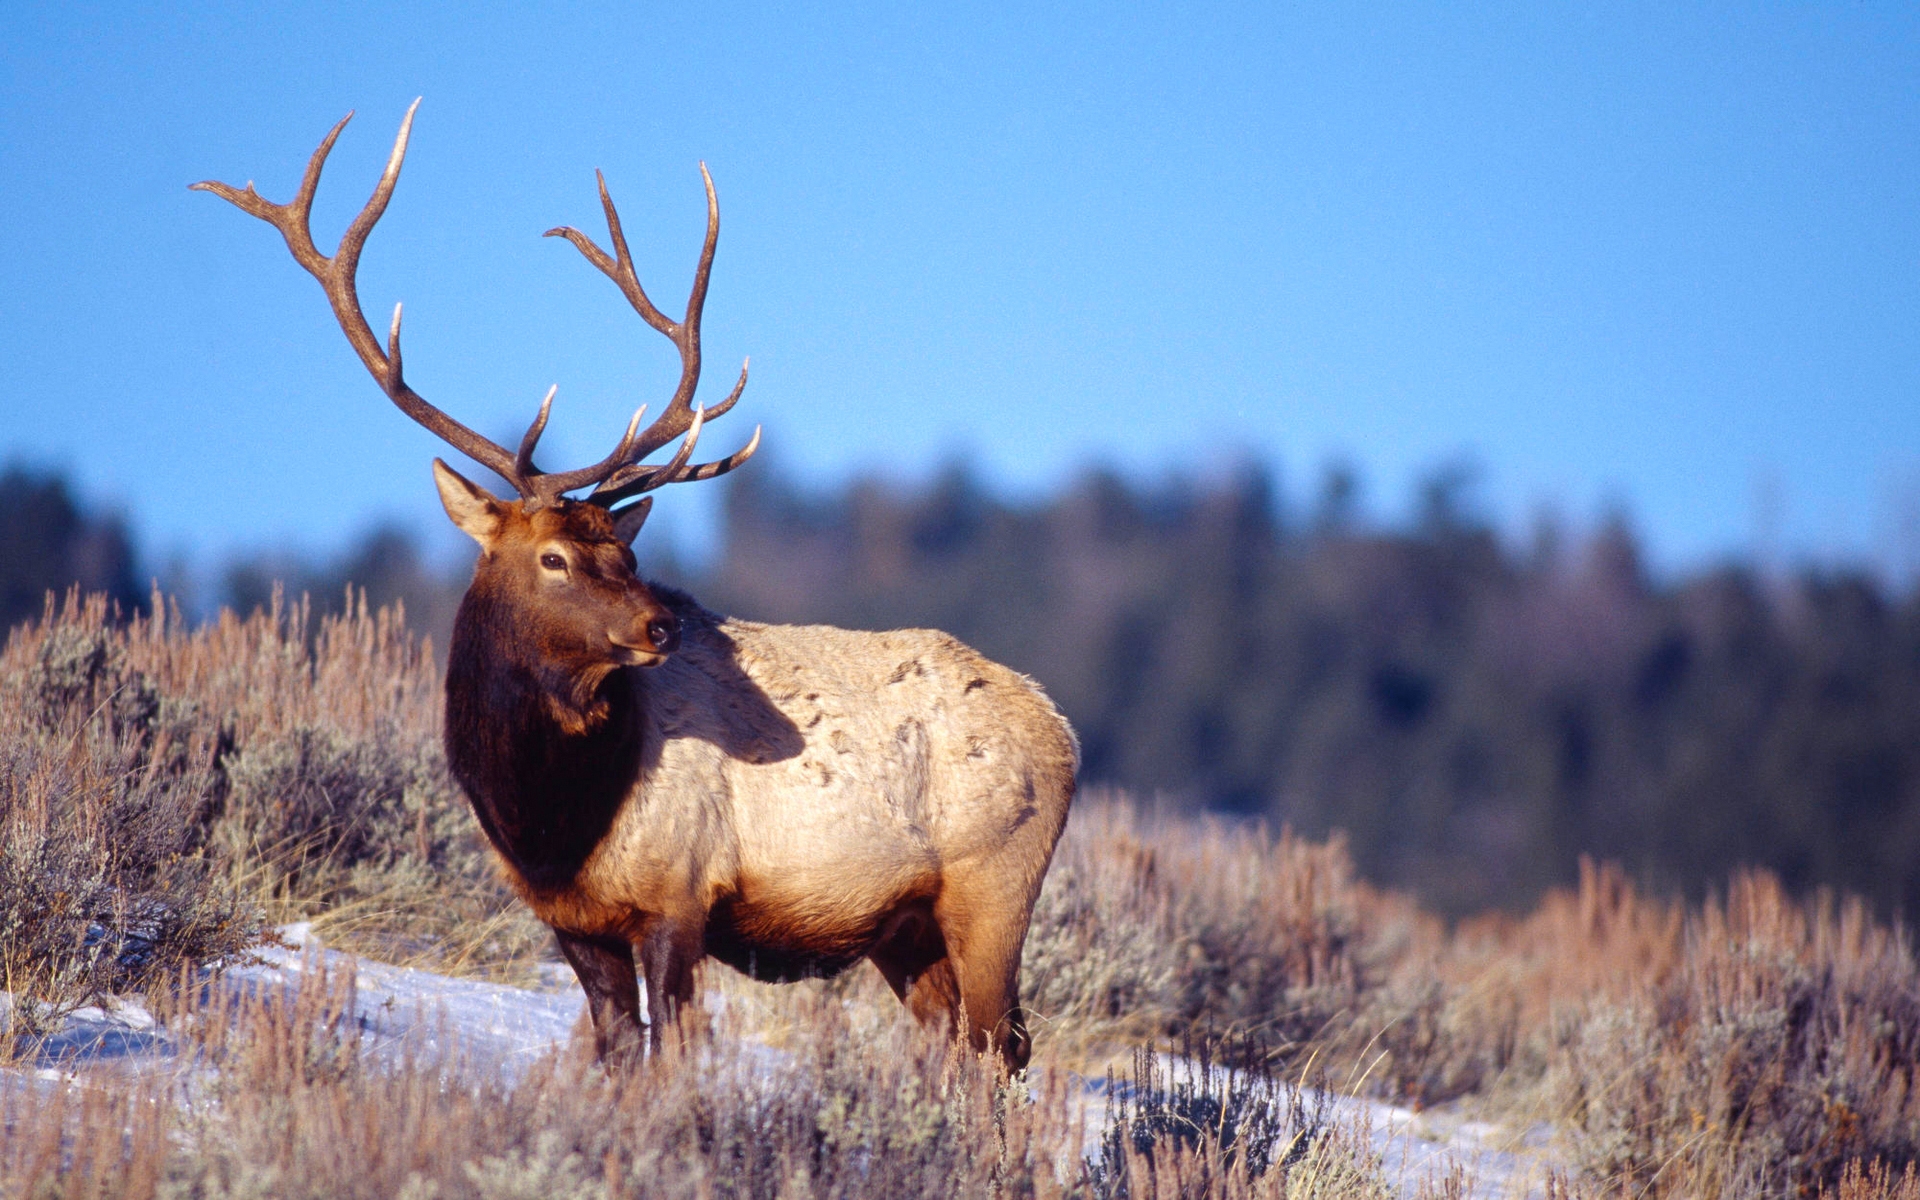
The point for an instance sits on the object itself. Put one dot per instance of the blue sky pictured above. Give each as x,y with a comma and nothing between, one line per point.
1617,256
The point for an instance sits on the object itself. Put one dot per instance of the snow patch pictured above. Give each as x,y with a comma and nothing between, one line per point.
506,1028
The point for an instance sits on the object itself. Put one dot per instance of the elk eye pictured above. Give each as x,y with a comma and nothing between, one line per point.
553,562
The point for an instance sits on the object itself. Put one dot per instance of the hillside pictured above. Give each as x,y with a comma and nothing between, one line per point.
173,793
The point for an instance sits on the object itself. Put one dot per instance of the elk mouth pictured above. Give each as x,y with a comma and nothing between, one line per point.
627,654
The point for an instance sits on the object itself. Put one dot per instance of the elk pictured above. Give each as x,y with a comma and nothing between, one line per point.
664,783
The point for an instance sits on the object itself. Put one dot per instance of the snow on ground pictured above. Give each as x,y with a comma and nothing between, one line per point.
492,1022
1414,1148
508,1027
393,1006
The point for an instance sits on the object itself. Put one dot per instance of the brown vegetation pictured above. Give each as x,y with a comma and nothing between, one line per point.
858,1104
176,791
1758,1044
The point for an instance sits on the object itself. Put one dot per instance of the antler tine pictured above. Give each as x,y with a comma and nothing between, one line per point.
697,297
677,461
718,466
686,447
634,470
291,218
616,476
675,419
725,406
552,487
677,416
523,461
336,278
619,268
632,481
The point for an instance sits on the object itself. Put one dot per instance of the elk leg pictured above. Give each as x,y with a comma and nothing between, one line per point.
935,997
929,991
985,957
605,968
912,958
668,956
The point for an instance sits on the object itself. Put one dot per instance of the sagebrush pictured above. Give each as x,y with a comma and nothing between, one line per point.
169,794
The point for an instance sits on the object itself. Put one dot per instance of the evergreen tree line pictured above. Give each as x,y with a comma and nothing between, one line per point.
49,541
1474,715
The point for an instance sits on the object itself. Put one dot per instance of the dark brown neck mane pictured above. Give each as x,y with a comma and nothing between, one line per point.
547,755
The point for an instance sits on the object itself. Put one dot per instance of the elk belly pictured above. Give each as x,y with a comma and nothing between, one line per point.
780,943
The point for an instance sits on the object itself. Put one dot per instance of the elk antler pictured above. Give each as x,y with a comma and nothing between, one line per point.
680,416
618,475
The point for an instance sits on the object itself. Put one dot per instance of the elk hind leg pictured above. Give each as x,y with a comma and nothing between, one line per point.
983,945
960,970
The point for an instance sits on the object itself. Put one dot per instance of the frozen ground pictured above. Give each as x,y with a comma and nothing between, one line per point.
506,1027
394,1006
1414,1148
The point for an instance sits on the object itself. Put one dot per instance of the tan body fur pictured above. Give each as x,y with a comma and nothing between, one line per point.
820,787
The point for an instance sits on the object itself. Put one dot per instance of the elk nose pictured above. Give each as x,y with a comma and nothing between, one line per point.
663,632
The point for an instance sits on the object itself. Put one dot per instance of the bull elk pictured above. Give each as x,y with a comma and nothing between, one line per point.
664,782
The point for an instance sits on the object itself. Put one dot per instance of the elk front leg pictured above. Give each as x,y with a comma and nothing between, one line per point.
668,955
605,968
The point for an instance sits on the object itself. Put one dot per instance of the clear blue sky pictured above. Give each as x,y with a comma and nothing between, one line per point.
1668,259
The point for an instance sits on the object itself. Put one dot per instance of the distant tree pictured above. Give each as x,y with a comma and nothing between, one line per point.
1337,510
386,565
1473,717
48,543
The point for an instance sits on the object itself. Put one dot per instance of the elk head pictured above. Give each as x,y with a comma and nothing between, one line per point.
558,571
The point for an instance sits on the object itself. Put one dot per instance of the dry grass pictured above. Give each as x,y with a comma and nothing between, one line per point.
857,1103
1157,925
1752,1046
167,793
1781,1047
104,784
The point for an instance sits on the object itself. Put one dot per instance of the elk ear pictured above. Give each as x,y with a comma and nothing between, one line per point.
470,506
627,521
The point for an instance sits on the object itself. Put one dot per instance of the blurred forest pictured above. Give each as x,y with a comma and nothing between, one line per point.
47,541
1474,715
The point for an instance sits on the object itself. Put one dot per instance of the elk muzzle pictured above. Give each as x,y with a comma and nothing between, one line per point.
648,640
663,632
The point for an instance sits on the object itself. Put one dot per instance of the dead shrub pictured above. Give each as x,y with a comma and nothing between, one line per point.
167,793
1189,1125
1165,926
1874,1181
104,790
1782,1047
